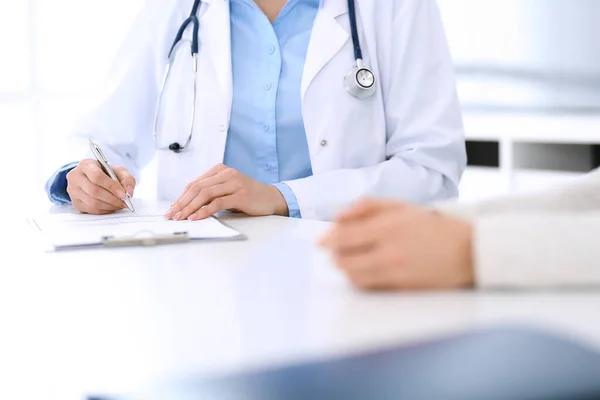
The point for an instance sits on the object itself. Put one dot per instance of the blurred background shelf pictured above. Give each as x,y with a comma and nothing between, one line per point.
520,152
523,181
570,128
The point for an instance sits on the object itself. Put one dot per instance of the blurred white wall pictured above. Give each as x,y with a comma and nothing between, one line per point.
54,55
537,54
539,35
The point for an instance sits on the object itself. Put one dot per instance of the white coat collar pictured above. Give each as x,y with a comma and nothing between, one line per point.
335,7
327,39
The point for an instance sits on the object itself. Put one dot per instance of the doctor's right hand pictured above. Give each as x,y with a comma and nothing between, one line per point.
94,192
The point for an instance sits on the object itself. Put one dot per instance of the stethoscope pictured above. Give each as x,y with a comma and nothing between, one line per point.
359,81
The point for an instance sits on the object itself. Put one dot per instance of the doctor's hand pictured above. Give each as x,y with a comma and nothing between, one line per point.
223,188
94,192
384,245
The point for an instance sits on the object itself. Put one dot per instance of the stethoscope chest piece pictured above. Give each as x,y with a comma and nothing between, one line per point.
360,81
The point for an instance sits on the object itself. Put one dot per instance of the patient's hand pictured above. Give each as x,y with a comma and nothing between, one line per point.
385,245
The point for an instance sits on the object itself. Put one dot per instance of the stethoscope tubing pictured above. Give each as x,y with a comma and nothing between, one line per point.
353,85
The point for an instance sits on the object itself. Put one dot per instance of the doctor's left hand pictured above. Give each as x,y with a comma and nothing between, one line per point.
223,188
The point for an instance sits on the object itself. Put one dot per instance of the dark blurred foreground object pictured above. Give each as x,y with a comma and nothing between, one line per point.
506,363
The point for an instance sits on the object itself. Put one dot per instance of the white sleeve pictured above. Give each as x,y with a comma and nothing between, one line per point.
545,251
122,119
426,152
549,239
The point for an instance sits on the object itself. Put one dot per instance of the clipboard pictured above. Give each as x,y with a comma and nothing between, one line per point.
149,239
72,231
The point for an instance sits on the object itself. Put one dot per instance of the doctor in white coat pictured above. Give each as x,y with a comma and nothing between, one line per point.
293,115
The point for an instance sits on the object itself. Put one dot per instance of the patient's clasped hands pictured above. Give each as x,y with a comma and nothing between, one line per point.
385,245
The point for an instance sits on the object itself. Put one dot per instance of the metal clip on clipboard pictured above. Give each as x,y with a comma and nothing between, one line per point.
150,239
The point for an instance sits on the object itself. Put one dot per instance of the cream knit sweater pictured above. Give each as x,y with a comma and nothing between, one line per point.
549,239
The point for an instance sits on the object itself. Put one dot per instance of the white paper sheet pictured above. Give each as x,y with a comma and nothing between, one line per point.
67,229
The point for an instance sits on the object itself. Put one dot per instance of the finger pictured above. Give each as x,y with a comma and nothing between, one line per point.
348,238
360,271
205,197
384,267
99,193
325,239
99,178
357,261
195,188
90,204
211,172
371,280
218,204
369,270
396,277
362,234
84,208
366,208
127,180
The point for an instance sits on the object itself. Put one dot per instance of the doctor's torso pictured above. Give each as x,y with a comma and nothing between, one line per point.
273,100
340,131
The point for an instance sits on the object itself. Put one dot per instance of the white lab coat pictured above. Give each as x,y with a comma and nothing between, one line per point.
405,142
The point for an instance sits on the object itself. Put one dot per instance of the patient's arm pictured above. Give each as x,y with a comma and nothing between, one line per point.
537,250
547,239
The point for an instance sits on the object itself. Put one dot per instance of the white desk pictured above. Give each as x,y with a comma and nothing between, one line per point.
99,318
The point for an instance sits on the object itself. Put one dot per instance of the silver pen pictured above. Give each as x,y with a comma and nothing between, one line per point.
109,171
